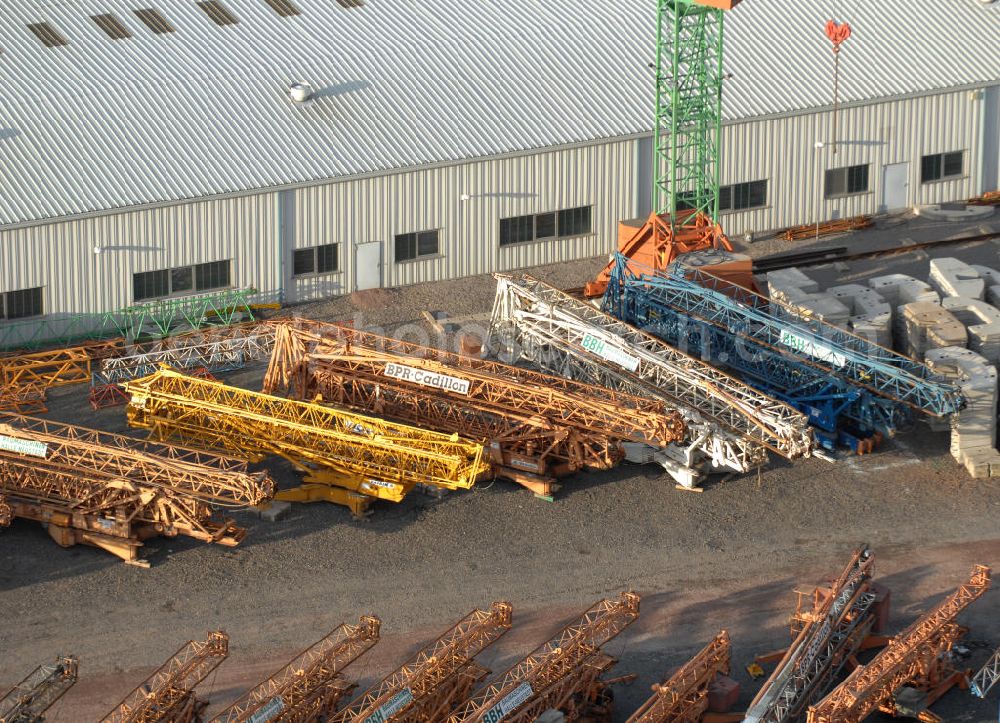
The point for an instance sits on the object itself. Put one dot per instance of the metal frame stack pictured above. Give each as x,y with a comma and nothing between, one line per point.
27,701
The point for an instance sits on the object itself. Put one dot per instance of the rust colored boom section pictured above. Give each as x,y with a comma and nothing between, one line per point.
683,697
168,694
28,700
560,674
112,492
429,685
363,456
538,426
6,513
310,687
25,378
910,656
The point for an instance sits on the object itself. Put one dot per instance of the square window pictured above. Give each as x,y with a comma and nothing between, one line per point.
351,3
574,221
327,258
304,261
516,230
150,285
545,225
427,243
48,35
112,26
181,279
154,21
857,179
21,304
406,246
953,164
213,275
218,12
758,194
284,8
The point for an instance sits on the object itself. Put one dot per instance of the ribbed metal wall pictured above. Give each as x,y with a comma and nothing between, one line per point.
783,151
60,257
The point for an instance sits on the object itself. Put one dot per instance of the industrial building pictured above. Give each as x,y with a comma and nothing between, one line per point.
306,148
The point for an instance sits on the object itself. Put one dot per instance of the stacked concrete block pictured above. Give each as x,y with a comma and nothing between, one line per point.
952,277
973,430
924,325
899,289
793,288
791,280
993,296
871,316
992,278
982,322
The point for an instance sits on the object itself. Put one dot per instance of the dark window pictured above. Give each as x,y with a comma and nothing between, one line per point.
685,200
213,275
327,258
112,26
414,245
181,280
743,195
49,36
351,3
545,225
284,8
304,261
574,221
150,285
941,165
516,230
21,304
846,181
154,21
218,12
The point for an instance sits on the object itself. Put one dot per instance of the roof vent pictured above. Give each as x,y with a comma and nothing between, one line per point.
300,92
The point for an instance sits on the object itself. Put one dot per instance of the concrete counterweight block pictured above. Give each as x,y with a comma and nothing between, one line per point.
982,322
973,429
871,315
923,325
993,296
793,288
899,289
990,275
952,277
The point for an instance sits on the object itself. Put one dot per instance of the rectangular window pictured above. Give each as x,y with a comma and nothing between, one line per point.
940,166
410,246
351,3
180,280
112,26
846,181
317,259
154,21
21,304
284,8
554,224
49,36
218,12
740,196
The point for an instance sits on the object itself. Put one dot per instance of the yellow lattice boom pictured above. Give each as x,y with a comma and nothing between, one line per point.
310,687
346,457
167,696
426,687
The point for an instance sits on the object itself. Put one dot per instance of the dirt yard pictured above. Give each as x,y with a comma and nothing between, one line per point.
730,557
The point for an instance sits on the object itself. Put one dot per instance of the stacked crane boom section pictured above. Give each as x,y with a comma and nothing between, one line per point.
167,696
729,423
983,681
538,427
348,458
112,492
27,701
829,634
562,674
683,697
914,658
311,686
429,685
25,378
842,381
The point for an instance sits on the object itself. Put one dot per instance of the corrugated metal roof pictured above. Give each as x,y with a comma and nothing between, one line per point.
103,124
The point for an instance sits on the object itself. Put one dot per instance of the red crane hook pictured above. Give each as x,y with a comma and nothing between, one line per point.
837,33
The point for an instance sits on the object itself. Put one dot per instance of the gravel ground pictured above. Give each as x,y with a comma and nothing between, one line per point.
729,557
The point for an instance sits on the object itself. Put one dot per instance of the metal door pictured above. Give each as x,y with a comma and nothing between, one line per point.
895,186
368,265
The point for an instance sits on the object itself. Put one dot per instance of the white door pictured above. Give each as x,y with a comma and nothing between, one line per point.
368,265
895,186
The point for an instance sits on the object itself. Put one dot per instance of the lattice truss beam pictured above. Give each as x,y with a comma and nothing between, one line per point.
6,513
26,378
217,349
537,426
27,701
915,658
828,634
771,325
311,686
987,676
168,694
364,456
728,422
563,673
683,697
438,677
112,491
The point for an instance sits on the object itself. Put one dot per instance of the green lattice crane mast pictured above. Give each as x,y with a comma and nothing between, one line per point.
686,139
